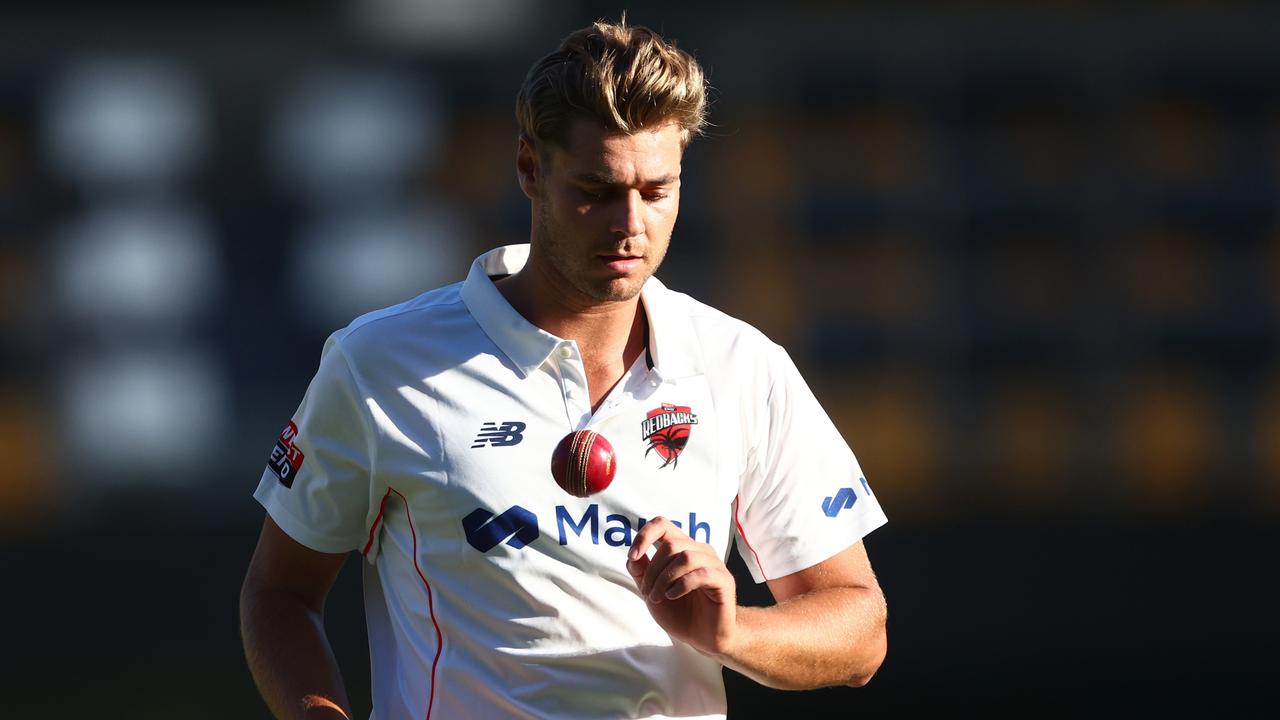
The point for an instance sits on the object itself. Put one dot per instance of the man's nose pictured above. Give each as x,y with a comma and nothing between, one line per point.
628,220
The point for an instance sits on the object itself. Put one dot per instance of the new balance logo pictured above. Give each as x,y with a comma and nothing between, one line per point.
843,499
484,531
510,432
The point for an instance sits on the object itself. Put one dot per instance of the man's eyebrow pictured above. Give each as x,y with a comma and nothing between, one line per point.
594,178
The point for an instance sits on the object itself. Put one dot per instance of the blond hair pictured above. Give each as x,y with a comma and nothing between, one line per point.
627,78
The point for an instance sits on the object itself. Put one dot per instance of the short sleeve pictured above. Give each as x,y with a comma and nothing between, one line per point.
317,483
803,497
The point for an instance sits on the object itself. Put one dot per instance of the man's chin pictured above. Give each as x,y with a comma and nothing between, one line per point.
619,290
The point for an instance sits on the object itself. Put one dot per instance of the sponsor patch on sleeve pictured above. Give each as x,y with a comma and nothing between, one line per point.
285,458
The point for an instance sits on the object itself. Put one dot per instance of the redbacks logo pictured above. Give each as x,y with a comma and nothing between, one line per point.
285,458
667,431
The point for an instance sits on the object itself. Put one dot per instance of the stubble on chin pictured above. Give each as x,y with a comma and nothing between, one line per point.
568,271
603,289
573,271
621,290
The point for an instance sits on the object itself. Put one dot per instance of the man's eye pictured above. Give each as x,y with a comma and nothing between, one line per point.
593,195
655,196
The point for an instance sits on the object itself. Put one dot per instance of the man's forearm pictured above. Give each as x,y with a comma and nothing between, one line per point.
833,636
290,658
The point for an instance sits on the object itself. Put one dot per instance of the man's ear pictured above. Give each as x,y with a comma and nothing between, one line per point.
528,167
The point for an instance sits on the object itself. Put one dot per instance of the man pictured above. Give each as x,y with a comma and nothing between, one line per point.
424,441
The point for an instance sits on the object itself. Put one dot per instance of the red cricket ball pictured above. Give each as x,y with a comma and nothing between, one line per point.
583,463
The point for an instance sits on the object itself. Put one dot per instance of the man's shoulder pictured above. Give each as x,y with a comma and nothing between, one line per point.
421,316
717,331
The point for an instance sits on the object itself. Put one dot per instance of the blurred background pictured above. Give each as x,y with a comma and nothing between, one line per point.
1027,256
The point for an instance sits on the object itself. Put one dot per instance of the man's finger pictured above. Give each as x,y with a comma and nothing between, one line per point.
664,553
676,566
696,579
652,531
637,568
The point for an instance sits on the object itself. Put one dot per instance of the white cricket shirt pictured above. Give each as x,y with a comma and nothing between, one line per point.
425,440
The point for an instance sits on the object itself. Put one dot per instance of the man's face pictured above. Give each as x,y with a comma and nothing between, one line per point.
604,208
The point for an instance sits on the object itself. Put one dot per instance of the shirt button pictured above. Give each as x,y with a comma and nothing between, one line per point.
653,383
566,352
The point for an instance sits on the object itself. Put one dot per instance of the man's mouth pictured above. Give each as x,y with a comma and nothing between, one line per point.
622,263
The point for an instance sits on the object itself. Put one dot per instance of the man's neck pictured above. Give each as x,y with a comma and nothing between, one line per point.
610,334
594,324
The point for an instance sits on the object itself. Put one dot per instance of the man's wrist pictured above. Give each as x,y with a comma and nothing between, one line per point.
737,641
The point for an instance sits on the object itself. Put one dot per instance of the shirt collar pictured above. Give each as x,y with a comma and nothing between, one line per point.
673,345
672,342
525,344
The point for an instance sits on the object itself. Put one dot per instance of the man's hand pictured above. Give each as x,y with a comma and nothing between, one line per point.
686,586
318,707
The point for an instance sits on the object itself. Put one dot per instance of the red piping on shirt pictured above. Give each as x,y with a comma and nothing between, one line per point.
431,607
743,533
381,509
